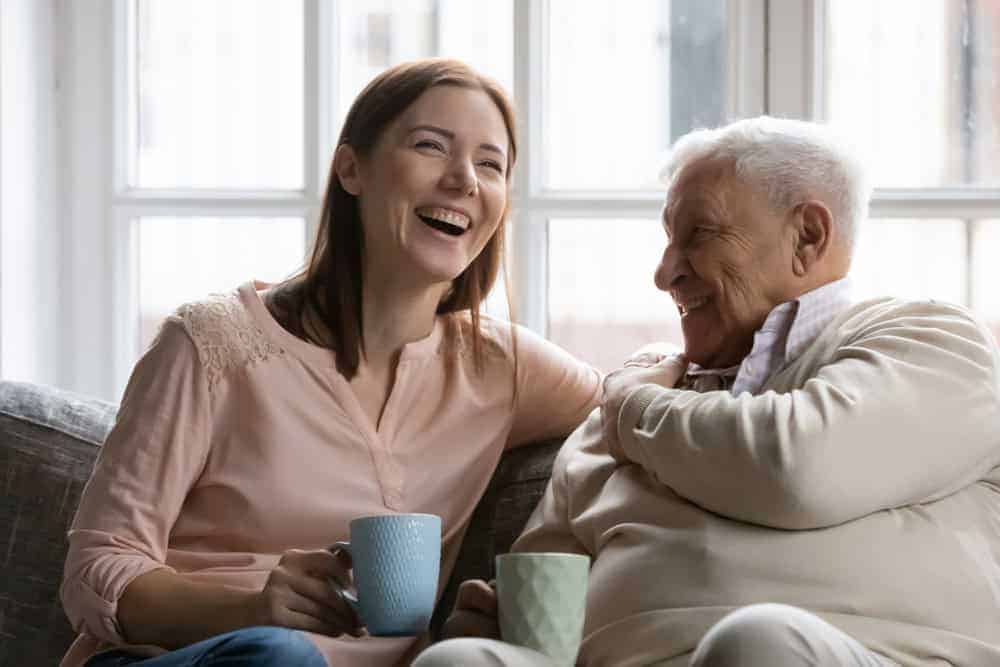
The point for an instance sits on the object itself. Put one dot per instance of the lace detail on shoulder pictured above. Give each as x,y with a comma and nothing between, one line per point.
459,332
225,335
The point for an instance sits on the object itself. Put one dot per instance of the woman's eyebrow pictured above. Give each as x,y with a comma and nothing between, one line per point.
448,134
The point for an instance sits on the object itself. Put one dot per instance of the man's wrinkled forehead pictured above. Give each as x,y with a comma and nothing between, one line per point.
701,183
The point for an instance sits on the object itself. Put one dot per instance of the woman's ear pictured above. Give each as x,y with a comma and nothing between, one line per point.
813,234
348,169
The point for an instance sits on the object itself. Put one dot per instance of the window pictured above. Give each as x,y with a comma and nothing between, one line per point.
223,115
932,140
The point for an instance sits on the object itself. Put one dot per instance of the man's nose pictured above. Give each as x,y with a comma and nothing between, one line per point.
461,177
673,269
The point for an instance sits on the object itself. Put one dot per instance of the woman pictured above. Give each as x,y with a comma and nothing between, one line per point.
260,423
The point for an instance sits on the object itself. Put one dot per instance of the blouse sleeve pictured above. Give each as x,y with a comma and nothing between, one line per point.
152,457
555,390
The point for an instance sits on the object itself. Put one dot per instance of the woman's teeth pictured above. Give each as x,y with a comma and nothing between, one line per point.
444,220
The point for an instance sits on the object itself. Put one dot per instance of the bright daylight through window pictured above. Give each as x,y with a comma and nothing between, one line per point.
232,109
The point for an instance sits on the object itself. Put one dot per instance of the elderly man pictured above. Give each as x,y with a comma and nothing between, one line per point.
814,482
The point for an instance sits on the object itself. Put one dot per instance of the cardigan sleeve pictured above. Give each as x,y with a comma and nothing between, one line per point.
555,390
905,412
151,459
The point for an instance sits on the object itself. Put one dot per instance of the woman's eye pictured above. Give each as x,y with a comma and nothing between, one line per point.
491,164
428,143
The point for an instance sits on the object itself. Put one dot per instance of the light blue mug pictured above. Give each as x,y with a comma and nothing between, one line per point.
397,558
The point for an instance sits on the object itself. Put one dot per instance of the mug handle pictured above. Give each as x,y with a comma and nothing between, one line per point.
350,598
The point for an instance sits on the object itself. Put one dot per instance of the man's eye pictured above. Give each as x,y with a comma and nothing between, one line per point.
702,233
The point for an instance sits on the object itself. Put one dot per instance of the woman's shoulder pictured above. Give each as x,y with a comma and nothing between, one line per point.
224,332
497,336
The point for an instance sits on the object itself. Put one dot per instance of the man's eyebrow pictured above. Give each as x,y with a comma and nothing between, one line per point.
448,134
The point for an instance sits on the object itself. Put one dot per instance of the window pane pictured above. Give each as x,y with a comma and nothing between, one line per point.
186,259
220,94
918,83
624,80
375,34
603,305
986,272
911,259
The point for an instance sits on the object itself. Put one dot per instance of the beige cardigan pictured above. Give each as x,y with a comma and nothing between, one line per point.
861,484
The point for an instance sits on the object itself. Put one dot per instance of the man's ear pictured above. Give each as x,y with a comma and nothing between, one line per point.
813,226
348,169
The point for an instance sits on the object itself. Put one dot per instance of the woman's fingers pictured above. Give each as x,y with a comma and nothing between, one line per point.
310,584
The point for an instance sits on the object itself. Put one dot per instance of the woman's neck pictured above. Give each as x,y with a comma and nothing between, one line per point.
394,316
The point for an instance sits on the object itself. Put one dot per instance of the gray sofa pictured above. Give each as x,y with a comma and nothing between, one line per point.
49,440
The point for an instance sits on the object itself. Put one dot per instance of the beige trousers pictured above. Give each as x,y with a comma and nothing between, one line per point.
761,635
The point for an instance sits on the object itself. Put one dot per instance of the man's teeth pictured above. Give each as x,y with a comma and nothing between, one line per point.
692,305
447,216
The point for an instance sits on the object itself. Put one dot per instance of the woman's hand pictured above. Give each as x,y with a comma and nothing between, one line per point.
475,612
305,592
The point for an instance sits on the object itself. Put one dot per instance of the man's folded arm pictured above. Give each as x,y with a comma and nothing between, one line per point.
905,412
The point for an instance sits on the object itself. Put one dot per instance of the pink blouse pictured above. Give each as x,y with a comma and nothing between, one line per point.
236,441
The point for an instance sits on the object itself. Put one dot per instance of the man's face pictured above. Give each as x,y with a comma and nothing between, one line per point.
727,264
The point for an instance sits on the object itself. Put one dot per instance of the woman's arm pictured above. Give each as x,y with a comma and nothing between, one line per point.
144,471
555,390
116,585
168,610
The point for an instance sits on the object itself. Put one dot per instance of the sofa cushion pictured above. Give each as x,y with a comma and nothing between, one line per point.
49,440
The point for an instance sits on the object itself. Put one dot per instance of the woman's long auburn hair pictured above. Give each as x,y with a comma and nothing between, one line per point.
332,283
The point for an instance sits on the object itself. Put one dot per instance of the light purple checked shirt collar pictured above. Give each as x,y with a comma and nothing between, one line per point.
789,328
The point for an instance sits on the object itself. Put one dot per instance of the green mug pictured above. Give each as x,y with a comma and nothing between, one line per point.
542,599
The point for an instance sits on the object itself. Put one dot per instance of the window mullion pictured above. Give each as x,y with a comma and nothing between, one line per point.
529,234
747,57
795,31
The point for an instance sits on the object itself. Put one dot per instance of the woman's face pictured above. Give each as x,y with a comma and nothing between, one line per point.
434,188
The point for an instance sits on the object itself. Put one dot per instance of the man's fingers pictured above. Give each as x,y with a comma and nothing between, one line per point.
476,595
470,624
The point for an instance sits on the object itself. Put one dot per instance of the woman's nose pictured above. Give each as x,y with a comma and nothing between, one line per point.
461,177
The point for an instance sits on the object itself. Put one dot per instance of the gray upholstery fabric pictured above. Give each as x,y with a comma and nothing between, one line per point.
49,441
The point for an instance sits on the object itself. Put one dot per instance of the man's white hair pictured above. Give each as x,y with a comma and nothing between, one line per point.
791,160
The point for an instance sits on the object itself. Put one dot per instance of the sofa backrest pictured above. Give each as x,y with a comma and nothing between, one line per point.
49,440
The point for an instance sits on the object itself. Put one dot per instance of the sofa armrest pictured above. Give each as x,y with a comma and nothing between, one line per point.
515,489
49,440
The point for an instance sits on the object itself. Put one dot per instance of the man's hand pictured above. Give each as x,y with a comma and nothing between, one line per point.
475,613
647,366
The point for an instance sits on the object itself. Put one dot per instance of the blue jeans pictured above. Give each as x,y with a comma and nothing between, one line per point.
259,647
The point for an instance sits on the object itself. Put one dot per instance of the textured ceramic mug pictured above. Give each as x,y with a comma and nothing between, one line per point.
542,598
397,558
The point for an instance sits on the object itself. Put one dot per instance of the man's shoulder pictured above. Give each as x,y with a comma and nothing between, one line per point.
906,312
906,318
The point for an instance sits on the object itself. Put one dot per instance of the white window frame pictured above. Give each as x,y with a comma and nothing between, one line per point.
100,337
